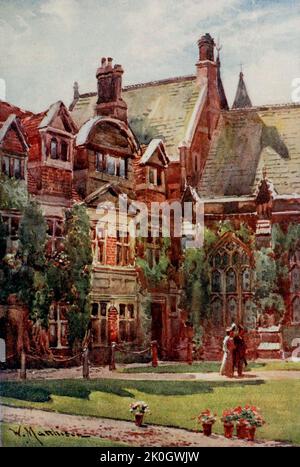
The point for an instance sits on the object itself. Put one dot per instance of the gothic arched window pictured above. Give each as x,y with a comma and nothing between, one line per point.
216,281
232,311
246,280
230,281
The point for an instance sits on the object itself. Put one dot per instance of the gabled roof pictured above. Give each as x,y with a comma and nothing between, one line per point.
246,141
153,146
159,109
36,122
241,99
230,237
86,131
107,188
58,108
13,122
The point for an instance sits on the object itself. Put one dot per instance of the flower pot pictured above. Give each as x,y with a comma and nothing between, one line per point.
242,431
251,434
228,429
207,428
139,419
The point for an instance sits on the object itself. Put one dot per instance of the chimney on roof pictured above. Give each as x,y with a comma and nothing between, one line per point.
207,74
110,102
206,66
206,46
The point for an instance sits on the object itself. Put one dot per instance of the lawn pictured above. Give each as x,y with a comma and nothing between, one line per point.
210,367
13,435
198,367
172,403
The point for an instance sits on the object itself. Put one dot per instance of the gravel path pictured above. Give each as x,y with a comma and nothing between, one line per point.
103,372
126,432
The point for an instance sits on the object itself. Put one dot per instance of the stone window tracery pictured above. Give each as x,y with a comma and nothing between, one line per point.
231,285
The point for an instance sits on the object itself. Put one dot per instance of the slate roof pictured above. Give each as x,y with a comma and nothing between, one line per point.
247,140
159,109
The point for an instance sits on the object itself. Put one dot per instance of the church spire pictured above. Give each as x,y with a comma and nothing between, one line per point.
241,99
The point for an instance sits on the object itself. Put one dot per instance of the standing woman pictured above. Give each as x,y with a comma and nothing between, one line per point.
228,347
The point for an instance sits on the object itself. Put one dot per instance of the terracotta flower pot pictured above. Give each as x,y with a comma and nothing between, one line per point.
228,429
139,419
251,434
207,428
242,431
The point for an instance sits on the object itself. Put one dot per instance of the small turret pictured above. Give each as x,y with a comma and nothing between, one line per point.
242,99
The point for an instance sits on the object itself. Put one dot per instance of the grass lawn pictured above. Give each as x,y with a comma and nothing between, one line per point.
172,403
210,367
197,367
13,435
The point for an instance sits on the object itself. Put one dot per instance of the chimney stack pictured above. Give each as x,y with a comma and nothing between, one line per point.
206,66
110,102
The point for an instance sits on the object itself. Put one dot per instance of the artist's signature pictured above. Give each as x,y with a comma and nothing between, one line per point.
39,435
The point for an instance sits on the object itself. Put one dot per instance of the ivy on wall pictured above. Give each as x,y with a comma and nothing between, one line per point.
23,272
159,271
69,272
266,282
39,280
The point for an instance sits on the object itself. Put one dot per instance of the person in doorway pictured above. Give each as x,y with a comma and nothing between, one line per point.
228,347
239,351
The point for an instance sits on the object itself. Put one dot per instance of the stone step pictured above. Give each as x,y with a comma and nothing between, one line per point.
269,346
269,350
269,354
269,337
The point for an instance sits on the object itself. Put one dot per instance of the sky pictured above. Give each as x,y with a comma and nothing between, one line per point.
46,45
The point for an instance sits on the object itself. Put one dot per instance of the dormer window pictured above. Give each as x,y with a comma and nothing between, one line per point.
100,166
12,167
110,164
155,176
18,169
54,148
59,149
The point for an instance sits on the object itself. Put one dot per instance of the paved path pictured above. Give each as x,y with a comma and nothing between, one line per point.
103,372
117,430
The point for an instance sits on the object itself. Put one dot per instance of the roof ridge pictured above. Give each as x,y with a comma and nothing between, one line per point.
160,81
263,107
130,87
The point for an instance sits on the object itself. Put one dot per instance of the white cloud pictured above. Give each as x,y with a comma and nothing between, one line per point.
48,44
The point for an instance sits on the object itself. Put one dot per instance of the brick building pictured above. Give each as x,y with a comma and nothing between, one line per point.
165,141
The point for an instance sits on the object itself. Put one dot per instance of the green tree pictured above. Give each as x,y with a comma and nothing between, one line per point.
69,272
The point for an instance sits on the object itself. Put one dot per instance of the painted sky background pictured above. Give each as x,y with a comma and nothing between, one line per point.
45,45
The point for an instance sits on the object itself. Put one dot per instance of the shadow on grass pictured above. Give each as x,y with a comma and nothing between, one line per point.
41,391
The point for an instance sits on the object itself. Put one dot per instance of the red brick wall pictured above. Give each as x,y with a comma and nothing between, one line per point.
56,181
111,251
